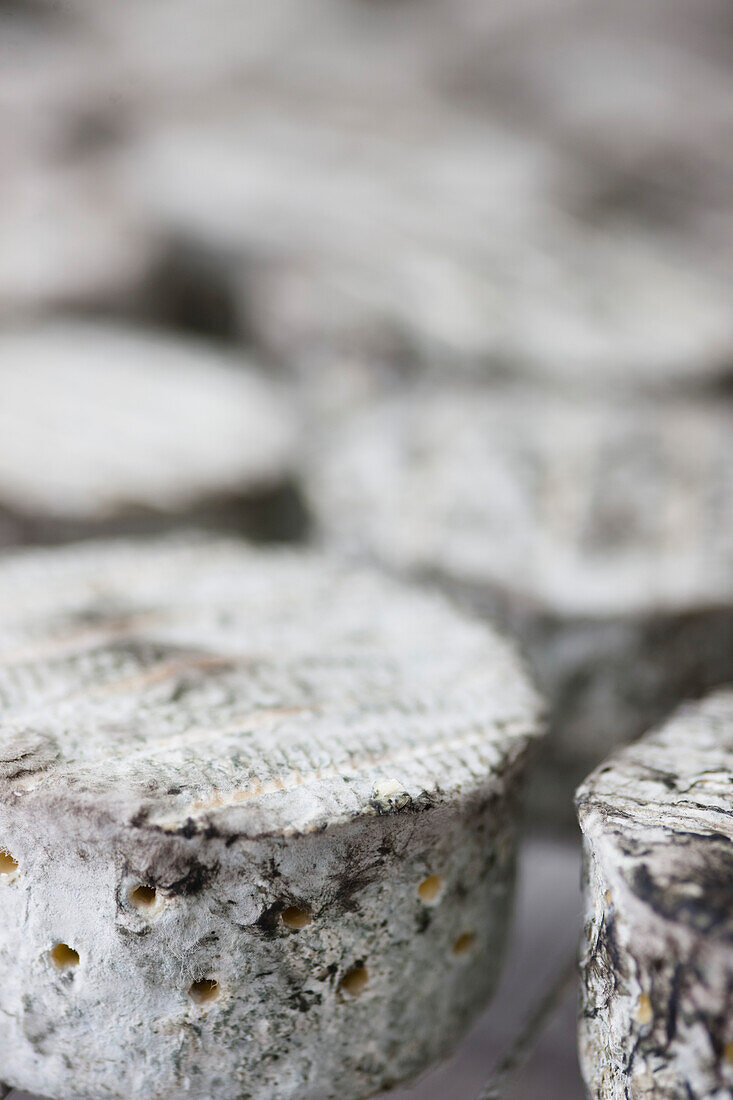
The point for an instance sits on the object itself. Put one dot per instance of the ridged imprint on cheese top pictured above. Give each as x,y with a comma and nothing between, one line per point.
677,780
185,681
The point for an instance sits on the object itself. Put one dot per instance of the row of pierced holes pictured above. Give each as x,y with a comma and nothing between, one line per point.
206,989
66,958
202,992
429,891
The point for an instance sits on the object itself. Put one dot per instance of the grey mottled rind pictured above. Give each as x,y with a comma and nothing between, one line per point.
657,959
110,429
246,733
597,531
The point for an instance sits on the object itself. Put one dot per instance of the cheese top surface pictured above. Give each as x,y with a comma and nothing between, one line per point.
488,261
98,419
682,770
659,815
199,682
585,506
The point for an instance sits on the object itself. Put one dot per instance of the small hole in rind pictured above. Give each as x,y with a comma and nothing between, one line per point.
430,889
464,943
64,957
8,865
295,917
355,981
204,991
644,1010
143,897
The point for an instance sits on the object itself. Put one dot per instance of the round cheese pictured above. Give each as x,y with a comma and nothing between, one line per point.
597,530
106,425
657,956
257,818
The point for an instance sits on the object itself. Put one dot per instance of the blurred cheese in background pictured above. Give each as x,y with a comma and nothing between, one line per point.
381,200
598,531
643,93
67,239
68,235
445,238
104,428
542,187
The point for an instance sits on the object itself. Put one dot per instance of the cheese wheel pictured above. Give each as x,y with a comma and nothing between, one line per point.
657,956
257,817
489,267
105,427
597,530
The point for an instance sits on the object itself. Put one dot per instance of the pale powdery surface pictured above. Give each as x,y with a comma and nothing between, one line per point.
426,180
657,961
69,235
584,506
599,531
654,117
358,228
67,238
101,420
384,179
284,749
